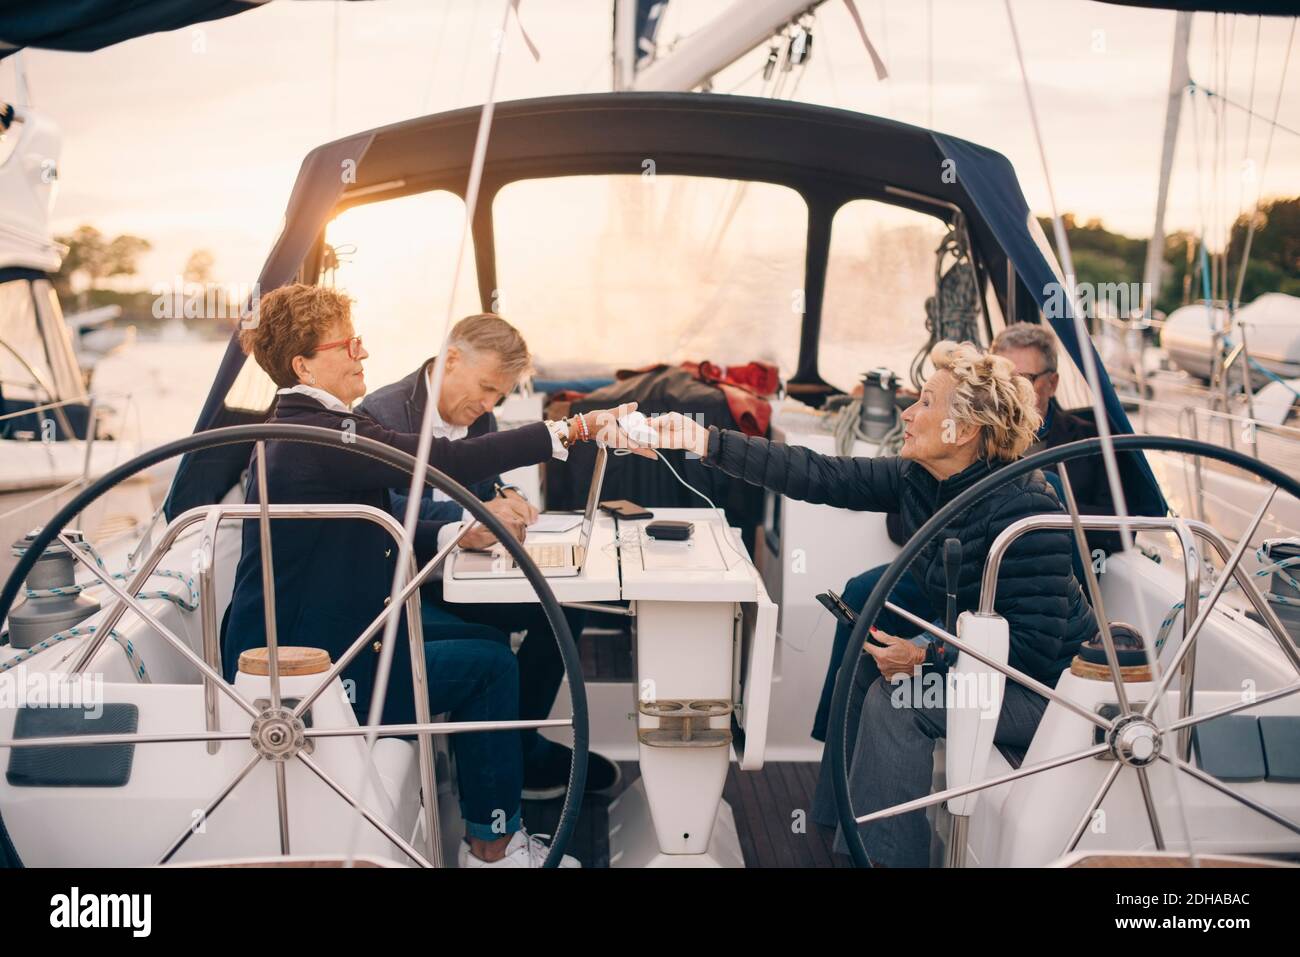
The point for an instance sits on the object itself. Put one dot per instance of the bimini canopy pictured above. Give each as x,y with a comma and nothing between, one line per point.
94,24
1278,8
830,157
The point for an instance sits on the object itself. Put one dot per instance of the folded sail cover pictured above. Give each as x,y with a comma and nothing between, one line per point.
829,156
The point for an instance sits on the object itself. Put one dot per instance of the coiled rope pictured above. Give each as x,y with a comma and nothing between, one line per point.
1267,568
77,631
845,423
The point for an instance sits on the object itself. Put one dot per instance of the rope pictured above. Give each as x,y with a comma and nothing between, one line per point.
1263,370
136,662
76,589
846,425
1267,568
954,309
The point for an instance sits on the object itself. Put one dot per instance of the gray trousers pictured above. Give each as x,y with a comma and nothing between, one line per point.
892,736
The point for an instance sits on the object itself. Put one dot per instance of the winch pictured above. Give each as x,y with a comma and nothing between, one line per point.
879,386
54,600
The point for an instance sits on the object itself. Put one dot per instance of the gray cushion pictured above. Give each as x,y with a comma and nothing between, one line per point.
1230,748
88,766
1281,737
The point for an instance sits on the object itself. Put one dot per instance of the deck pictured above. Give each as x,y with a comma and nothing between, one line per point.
763,802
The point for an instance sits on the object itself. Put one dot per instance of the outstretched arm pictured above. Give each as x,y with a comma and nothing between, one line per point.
861,484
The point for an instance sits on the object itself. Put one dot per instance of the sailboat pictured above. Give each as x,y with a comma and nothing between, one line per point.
276,768
52,442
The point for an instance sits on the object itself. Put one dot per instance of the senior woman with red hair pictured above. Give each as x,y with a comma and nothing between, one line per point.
974,415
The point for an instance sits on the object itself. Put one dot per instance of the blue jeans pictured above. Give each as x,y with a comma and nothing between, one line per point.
906,594
893,762
541,669
475,680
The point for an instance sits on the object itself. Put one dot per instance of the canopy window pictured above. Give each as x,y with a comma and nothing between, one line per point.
623,271
37,364
879,274
395,259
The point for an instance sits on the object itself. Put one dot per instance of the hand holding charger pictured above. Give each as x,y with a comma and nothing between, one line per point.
637,428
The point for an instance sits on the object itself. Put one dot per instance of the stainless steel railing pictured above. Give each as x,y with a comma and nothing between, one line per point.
1186,530
212,516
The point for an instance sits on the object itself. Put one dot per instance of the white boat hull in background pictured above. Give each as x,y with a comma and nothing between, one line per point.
1271,323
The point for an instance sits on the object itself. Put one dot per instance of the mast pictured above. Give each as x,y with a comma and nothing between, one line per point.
1179,77
624,55
725,39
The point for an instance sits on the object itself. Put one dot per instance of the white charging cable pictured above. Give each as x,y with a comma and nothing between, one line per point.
726,526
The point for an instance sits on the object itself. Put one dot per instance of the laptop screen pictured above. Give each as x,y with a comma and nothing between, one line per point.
593,496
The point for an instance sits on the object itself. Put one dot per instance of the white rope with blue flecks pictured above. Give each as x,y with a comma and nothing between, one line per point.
1267,568
137,663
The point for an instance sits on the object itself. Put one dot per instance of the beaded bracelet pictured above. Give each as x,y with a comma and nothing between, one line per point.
582,426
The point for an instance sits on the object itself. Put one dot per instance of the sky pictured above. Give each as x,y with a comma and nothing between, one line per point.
192,139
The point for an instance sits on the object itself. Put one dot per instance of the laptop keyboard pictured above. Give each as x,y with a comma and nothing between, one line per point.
550,556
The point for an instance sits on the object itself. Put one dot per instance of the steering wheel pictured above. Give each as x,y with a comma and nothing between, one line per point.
314,435
837,732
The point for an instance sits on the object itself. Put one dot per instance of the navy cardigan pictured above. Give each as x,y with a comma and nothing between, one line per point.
333,576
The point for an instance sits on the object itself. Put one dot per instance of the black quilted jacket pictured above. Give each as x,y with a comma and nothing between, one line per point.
1043,603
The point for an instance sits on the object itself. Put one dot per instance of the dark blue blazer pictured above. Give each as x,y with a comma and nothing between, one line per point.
400,406
333,576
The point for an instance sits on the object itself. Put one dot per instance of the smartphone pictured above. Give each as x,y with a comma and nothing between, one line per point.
837,607
625,509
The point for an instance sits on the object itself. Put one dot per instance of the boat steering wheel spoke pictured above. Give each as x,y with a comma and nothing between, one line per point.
1134,721
278,733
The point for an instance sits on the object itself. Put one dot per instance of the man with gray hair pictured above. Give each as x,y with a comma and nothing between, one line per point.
1031,347
486,357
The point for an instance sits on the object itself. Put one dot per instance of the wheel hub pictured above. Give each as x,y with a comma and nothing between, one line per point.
277,735
1135,741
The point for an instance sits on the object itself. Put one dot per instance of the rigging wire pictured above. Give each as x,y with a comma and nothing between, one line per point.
1245,148
1214,94
1259,183
929,63
425,445
1093,377
441,32
334,72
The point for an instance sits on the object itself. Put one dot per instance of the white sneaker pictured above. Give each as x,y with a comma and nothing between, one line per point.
524,850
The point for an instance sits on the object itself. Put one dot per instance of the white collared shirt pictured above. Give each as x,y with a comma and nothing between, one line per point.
327,399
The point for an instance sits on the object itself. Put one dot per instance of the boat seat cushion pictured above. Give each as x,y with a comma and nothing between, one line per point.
91,766
1230,748
1281,737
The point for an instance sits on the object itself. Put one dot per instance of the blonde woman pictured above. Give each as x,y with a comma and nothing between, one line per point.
973,416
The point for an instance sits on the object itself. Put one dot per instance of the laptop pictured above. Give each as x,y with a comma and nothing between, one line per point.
553,560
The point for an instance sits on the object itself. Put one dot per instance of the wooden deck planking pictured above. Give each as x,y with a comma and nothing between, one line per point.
761,801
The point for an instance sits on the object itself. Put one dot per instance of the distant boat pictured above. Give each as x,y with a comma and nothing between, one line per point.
1272,327
50,443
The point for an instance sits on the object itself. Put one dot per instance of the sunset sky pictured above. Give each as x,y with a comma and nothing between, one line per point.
193,138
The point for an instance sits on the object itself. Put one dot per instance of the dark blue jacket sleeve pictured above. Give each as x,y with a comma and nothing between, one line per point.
860,484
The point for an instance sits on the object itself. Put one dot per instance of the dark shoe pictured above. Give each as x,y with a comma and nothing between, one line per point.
546,774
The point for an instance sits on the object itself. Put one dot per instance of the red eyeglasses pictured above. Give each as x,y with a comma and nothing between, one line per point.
353,344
